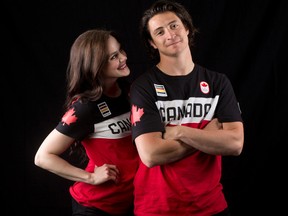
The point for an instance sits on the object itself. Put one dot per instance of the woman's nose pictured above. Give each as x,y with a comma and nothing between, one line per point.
122,58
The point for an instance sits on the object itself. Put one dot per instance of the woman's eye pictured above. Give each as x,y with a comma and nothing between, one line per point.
122,51
114,56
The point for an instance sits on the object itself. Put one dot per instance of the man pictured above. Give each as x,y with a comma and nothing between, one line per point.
184,118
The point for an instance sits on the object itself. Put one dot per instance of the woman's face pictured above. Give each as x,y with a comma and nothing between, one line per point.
116,66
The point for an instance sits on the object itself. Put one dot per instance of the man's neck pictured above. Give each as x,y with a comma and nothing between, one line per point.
176,66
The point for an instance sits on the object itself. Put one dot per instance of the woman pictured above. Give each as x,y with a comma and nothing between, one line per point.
97,117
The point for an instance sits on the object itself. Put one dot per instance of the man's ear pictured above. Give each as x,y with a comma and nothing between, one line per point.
152,44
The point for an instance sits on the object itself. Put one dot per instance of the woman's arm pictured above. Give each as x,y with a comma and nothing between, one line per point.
48,157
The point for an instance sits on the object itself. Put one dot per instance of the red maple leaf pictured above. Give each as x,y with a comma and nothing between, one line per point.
136,114
204,84
69,118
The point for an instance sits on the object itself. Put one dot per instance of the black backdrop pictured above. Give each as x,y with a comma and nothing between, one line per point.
247,40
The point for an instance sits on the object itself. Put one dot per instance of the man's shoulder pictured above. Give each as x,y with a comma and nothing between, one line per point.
207,71
145,76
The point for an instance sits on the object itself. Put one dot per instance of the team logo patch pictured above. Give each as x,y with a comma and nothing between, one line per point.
204,87
160,90
104,109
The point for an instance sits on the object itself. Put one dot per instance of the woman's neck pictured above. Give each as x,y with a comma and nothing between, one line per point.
112,89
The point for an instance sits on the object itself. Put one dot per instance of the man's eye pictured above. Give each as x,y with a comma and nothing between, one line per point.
159,33
173,26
